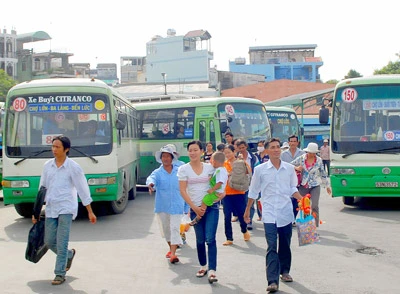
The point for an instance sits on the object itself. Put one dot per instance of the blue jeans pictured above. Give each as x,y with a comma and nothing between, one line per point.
252,209
56,237
277,262
230,204
205,231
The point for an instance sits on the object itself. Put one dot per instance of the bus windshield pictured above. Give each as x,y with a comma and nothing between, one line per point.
366,119
34,120
283,124
248,121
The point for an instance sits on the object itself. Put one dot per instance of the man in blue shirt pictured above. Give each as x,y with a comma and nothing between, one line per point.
276,181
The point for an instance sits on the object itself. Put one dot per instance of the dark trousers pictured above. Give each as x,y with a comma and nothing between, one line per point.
234,203
327,164
277,261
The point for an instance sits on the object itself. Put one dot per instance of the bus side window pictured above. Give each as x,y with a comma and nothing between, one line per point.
212,132
202,131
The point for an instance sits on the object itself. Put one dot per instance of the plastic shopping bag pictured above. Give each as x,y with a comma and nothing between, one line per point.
306,230
185,226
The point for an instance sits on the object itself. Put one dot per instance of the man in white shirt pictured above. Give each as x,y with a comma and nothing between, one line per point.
64,179
277,181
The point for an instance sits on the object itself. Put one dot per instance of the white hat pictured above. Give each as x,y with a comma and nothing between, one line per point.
173,147
311,148
165,149
285,145
326,141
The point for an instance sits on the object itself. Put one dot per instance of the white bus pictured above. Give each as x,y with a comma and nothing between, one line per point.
39,110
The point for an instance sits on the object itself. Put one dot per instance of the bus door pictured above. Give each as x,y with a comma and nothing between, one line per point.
206,131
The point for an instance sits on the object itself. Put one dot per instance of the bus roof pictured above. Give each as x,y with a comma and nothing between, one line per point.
380,79
57,82
37,86
195,102
279,108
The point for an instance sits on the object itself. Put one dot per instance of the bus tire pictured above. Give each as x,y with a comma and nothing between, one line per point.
24,209
348,200
132,191
118,206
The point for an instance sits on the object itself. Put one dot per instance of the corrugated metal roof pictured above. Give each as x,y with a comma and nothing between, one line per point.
200,89
300,99
283,47
203,35
33,37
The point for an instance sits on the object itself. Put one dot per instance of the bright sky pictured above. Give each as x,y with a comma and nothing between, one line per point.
348,34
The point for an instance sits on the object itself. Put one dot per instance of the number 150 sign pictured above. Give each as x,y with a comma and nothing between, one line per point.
349,95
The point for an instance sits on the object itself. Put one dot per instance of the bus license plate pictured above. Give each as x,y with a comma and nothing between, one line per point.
386,184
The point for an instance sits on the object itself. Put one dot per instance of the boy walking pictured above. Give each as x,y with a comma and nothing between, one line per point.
217,183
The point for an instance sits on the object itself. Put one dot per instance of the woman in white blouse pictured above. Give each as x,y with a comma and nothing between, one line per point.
194,183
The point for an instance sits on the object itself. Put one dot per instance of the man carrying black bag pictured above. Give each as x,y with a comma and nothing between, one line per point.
36,247
64,180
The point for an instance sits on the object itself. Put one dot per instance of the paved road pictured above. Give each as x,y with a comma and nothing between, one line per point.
125,254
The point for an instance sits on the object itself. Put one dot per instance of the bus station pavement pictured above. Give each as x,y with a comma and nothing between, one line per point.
126,254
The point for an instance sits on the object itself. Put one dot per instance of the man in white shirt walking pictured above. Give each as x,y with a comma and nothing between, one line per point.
324,153
277,181
63,178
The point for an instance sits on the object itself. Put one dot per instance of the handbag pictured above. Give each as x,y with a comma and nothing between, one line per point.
36,247
306,229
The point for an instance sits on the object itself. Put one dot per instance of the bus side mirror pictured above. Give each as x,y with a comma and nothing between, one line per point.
121,121
323,115
302,131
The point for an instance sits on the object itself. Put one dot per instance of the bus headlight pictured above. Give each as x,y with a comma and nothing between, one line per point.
102,181
15,184
344,183
342,171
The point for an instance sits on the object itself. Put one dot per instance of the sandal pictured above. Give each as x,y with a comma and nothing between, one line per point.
227,243
212,277
201,273
174,259
286,278
58,280
69,262
168,255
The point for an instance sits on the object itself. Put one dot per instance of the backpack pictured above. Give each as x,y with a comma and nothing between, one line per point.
240,176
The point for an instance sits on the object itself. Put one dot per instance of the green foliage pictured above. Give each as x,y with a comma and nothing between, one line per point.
333,82
6,83
352,74
391,68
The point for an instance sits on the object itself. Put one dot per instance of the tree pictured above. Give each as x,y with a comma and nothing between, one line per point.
6,83
352,74
333,82
390,68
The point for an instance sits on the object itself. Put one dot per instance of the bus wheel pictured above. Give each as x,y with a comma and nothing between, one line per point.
24,209
118,206
348,200
132,192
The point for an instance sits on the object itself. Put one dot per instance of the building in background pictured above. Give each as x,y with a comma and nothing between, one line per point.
290,62
8,52
107,72
184,58
133,69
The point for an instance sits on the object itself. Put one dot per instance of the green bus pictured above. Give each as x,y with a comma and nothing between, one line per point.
205,119
284,123
365,138
102,126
